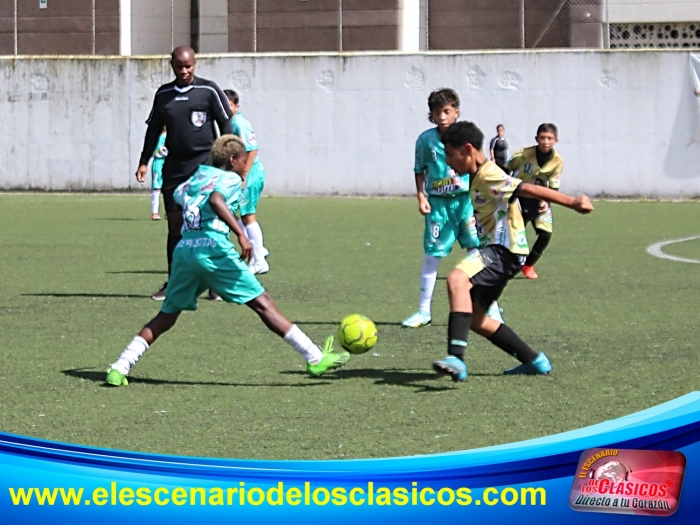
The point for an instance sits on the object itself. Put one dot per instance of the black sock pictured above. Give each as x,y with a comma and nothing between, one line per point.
172,243
508,341
540,246
457,332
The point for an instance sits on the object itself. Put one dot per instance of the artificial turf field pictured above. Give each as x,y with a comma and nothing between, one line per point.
619,326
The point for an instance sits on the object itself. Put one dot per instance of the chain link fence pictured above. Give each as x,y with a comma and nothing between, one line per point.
131,27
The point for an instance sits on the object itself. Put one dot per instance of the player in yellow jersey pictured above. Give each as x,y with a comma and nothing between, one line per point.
540,165
482,276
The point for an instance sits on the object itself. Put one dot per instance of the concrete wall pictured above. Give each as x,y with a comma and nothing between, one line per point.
346,124
654,10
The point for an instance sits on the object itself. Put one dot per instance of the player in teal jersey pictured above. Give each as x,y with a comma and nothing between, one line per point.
253,182
206,258
157,174
448,210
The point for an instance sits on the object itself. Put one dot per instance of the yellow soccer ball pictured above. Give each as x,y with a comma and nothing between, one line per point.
357,334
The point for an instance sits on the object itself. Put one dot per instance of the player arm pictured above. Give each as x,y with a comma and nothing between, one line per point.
252,155
221,111
423,204
155,128
581,204
491,152
217,201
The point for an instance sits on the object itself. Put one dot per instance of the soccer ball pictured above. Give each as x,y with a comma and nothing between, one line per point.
357,334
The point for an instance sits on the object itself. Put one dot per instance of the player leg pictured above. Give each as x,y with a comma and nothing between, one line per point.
543,227
174,214
185,287
238,285
458,288
502,267
469,239
438,239
255,182
156,185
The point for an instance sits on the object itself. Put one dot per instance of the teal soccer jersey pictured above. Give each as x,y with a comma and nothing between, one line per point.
193,195
205,258
255,181
440,179
244,129
157,164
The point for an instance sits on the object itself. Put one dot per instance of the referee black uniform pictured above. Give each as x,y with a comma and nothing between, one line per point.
188,113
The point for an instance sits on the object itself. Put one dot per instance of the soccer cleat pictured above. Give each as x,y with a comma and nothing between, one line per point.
265,252
155,217
330,361
529,272
494,312
420,318
115,378
213,296
451,366
259,268
539,367
160,294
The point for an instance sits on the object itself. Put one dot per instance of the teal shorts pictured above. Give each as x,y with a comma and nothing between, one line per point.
206,263
157,173
451,219
254,184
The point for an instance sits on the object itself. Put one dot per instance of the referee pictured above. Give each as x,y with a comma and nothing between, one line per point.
188,108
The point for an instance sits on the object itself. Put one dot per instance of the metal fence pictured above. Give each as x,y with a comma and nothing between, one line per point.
104,27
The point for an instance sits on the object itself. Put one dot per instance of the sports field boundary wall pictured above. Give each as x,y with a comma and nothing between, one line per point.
346,124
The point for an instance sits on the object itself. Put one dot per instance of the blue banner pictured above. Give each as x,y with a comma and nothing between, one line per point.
526,482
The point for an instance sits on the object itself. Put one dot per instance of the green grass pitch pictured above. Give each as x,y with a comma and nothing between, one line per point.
619,326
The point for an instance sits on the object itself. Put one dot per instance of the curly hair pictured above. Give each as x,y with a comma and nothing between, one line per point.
225,147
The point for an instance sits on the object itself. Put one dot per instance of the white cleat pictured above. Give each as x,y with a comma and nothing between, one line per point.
259,268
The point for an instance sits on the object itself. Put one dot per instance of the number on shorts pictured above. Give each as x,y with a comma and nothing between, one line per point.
436,231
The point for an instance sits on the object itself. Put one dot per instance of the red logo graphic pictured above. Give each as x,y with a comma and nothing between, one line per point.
641,482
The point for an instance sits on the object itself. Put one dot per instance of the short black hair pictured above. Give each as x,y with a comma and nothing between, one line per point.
500,126
231,95
461,133
548,127
440,98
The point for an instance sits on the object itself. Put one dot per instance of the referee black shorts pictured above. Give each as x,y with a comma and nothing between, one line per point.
489,270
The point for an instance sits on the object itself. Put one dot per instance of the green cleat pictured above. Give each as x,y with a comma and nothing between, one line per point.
115,378
331,360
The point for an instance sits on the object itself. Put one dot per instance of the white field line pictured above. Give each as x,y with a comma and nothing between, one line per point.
657,250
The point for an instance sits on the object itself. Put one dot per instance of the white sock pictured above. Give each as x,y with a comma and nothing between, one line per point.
255,235
155,201
302,344
428,277
130,355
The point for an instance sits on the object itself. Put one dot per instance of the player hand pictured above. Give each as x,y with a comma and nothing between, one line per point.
583,204
543,207
423,206
246,247
141,173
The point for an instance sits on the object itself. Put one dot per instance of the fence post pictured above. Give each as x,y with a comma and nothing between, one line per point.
340,25
15,30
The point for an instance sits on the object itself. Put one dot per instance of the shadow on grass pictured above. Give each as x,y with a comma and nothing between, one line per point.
99,377
393,377
141,272
100,295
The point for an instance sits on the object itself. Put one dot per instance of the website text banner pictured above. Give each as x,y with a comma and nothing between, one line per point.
530,481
